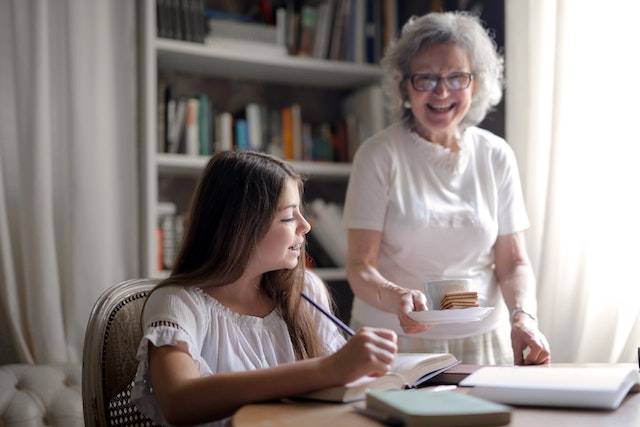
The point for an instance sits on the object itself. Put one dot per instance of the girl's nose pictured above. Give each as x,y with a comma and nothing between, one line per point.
304,226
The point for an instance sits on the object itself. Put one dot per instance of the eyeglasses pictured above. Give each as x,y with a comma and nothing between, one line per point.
429,82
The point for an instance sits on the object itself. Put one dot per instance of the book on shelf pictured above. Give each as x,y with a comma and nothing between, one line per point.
591,386
241,135
307,142
389,22
323,29
176,113
357,33
292,25
166,234
180,19
308,24
415,408
409,370
373,31
206,125
192,131
287,134
275,146
340,142
254,125
339,27
296,131
224,132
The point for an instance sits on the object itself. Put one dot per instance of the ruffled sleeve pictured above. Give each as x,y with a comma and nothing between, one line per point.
172,316
329,333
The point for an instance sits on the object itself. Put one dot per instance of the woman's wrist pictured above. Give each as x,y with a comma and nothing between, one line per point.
518,313
392,296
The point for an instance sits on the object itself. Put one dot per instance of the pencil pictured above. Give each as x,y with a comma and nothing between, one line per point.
339,323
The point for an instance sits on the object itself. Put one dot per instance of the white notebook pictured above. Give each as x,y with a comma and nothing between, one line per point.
590,386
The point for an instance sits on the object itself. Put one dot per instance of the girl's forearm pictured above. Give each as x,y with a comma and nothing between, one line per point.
217,396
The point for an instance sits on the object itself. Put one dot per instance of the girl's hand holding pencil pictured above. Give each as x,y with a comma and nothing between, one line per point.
370,351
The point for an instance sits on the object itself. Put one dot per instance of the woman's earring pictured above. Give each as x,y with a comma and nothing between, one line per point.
406,104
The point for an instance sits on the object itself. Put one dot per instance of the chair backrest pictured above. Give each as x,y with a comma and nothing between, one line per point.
109,359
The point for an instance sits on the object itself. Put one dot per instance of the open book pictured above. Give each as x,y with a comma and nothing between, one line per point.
409,370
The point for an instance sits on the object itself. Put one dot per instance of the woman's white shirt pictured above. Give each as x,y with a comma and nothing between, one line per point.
218,339
440,213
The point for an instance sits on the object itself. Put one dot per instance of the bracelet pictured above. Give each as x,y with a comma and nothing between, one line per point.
519,310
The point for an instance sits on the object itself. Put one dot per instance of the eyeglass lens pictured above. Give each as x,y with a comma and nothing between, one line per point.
428,82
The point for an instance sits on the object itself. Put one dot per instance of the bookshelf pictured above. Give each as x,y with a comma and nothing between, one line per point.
160,171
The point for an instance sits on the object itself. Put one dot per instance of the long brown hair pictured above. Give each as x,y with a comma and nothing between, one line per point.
231,211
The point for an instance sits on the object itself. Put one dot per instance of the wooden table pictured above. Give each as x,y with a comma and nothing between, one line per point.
313,414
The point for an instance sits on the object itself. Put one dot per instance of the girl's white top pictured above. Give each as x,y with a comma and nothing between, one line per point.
440,213
218,339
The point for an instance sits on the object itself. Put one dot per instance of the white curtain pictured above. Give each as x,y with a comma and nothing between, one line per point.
68,167
573,89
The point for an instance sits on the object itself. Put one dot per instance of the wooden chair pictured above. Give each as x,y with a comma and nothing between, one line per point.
109,360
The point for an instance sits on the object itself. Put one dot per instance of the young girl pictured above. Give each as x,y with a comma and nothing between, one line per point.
229,326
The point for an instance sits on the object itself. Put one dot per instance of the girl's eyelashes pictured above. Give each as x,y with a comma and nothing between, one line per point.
288,220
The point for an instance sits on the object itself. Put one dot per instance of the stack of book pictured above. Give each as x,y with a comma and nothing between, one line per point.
181,19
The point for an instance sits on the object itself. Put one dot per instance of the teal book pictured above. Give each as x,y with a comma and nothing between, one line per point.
417,408
242,135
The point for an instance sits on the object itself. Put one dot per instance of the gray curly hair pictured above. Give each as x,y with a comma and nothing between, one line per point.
466,31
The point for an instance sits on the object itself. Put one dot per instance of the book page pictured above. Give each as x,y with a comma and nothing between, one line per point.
406,370
411,366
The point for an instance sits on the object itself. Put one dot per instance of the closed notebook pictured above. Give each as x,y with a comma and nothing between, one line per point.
408,370
591,386
453,375
417,408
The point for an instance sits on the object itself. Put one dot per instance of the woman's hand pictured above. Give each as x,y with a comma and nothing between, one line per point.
525,334
370,351
402,302
369,285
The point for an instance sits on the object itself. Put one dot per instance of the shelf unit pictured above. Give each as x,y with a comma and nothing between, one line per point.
253,65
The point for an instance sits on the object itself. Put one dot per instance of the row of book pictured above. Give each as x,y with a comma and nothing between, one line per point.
194,126
181,20
347,30
327,242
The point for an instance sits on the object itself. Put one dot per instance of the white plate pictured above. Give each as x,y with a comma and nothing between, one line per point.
460,315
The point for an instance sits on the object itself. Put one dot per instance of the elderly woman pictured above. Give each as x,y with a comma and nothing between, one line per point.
434,197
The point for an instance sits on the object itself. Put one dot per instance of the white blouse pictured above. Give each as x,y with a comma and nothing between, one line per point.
440,213
218,339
